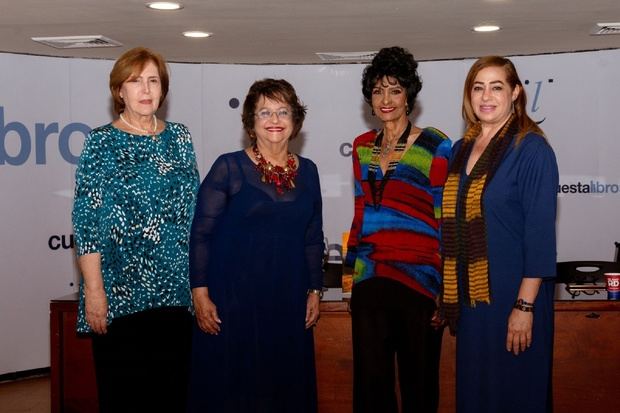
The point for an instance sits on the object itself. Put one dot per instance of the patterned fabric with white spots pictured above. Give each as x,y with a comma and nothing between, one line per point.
134,203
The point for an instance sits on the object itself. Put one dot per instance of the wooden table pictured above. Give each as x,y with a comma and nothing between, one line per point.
586,370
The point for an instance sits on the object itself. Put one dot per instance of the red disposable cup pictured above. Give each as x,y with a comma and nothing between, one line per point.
613,285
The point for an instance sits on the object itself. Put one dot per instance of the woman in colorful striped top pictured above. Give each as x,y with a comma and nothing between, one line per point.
394,244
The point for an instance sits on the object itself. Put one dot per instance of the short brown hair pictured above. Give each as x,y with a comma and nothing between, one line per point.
132,62
275,89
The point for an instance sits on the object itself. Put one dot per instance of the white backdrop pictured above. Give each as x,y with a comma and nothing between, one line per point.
48,104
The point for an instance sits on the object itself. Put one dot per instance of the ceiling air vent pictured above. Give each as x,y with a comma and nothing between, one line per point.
77,42
603,29
346,56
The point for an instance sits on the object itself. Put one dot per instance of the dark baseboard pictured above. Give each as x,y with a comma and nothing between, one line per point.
25,374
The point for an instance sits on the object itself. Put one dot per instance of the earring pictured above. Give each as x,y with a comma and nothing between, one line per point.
407,111
373,112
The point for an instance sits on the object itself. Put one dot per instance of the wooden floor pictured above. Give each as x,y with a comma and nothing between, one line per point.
25,396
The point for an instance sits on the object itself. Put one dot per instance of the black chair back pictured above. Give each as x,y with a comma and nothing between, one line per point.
584,272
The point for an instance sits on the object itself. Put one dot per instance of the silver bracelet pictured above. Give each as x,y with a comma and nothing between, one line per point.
317,292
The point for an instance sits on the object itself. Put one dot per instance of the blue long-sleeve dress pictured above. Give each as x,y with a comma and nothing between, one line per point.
258,253
520,213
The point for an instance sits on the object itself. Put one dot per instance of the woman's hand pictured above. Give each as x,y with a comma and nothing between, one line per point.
437,321
206,311
96,306
312,310
519,335
95,300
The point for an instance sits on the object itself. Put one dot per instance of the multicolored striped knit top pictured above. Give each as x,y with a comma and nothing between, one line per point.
400,240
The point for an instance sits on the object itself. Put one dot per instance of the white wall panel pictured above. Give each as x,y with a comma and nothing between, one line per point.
575,94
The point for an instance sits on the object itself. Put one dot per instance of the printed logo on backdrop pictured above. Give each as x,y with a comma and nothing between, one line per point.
535,96
58,242
590,186
596,186
20,143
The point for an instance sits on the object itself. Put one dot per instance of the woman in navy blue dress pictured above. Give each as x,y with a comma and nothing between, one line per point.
499,243
255,267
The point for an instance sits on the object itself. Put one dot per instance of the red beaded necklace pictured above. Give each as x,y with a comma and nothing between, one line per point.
282,177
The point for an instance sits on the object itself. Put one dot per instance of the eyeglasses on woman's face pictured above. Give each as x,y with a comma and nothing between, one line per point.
282,113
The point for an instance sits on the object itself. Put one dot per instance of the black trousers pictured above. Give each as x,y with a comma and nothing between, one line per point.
391,326
142,363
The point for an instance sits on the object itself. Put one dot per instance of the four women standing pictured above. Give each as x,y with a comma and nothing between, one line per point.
257,243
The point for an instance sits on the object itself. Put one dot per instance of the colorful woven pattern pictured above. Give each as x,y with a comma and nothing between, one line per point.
400,239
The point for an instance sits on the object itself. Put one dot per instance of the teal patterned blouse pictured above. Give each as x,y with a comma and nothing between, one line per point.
134,204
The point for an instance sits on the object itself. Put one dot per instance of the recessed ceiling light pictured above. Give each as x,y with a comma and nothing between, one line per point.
197,34
486,28
164,5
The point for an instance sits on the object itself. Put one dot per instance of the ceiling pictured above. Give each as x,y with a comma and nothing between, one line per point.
293,31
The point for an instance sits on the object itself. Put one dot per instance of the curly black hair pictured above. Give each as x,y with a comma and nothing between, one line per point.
394,62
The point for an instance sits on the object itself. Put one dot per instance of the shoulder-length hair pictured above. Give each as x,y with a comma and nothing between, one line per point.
131,63
525,123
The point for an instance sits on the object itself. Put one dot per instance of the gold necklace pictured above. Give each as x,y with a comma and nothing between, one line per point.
389,145
143,131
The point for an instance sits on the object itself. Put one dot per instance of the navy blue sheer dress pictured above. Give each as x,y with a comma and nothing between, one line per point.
258,252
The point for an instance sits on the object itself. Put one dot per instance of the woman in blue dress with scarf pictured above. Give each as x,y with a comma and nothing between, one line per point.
499,211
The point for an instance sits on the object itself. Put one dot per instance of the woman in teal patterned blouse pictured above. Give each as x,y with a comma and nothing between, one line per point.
136,186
